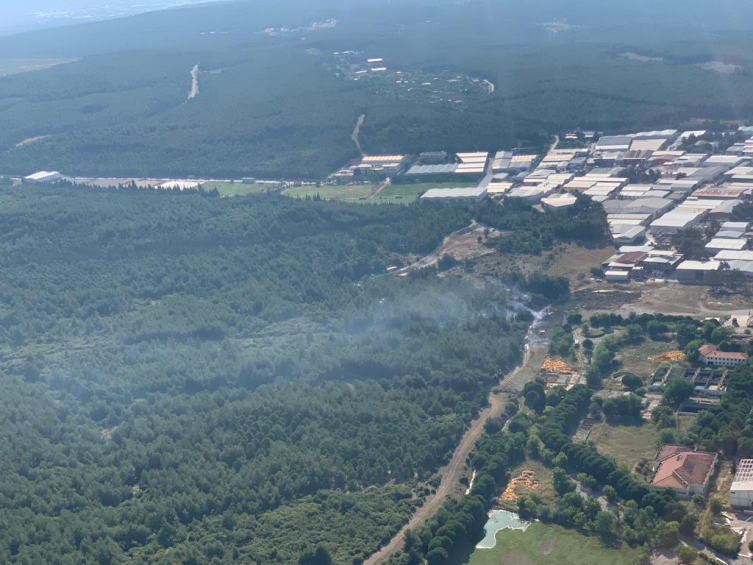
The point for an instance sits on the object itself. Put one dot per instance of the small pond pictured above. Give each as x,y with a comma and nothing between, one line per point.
500,520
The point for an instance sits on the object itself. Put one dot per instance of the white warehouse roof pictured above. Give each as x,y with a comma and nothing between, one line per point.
43,176
726,244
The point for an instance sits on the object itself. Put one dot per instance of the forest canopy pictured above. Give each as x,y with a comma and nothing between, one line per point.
180,373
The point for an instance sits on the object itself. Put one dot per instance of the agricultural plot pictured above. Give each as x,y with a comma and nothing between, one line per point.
349,193
542,544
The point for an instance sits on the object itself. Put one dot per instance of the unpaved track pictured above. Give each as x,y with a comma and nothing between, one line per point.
433,257
357,133
453,471
194,82
378,189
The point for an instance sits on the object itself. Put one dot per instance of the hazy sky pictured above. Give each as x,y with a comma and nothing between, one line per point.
23,15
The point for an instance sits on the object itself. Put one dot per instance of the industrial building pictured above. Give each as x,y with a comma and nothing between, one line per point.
43,177
741,492
433,157
696,272
454,195
383,163
676,220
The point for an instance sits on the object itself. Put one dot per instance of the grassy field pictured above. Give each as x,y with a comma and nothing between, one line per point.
635,358
407,193
15,66
354,192
543,544
236,188
626,444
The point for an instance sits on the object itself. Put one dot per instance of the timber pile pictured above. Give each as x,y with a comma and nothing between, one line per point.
525,480
556,366
668,357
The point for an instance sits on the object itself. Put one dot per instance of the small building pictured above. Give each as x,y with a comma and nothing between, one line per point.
433,157
685,471
631,235
709,355
617,276
695,272
44,177
741,492
558,202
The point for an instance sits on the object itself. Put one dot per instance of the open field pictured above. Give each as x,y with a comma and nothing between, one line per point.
407,193
543,544
635,357
566,260
16,66
574,263
347,193
236,188
626,444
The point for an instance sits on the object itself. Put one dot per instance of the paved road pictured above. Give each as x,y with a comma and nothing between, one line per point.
454,470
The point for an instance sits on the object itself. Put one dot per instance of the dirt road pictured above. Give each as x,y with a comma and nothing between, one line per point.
194,82
453,244
355,136
378,189
454,470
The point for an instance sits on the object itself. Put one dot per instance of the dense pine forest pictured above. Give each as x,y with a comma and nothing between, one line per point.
272,102
189,379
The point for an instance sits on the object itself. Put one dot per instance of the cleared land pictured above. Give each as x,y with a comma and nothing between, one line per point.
235,188
626,444
566,260
16,66
542,475
635,358
346,193
543,544
407,193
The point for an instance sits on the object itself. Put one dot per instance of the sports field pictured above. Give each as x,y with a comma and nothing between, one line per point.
543,544
407,193
349,193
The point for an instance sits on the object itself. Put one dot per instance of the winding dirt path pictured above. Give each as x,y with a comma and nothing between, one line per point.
194,82
355,136
453,471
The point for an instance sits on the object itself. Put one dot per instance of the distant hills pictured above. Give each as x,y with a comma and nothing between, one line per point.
276,101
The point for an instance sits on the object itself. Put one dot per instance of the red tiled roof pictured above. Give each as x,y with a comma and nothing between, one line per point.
708,349
667,450
681,470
